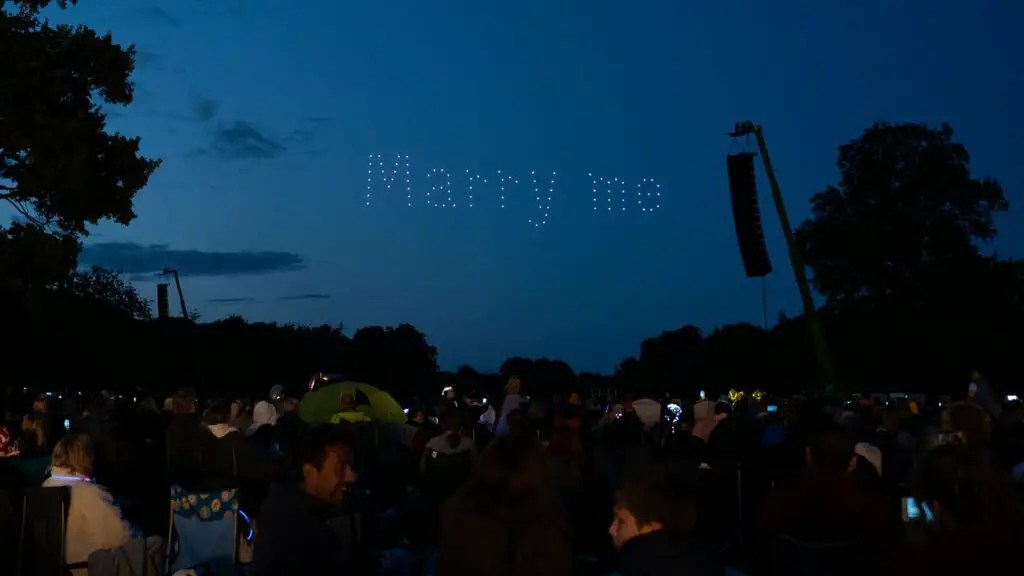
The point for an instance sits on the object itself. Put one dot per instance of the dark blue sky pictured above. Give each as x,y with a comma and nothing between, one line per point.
266,113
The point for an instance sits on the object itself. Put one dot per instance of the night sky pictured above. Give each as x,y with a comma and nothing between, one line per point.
266,115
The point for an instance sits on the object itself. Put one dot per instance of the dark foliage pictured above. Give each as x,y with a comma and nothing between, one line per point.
905,218
60,167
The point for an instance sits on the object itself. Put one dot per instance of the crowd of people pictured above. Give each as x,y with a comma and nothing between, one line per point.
523,485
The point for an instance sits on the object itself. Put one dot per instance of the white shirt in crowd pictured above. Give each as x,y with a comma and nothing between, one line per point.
94,521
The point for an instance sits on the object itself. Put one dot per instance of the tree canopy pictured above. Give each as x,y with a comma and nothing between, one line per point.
906,216
60,167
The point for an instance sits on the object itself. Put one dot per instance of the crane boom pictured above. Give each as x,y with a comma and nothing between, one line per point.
821,349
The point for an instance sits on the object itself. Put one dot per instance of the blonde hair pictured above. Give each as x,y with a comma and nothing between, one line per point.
513,386
74,453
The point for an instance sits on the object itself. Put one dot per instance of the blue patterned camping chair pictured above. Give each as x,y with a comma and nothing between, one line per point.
202,530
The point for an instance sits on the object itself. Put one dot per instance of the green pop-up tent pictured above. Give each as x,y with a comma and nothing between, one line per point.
319,405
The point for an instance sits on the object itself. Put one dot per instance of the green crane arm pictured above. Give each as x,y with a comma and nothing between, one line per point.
821,349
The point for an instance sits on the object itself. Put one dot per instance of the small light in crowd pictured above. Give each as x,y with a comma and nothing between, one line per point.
485,400
405,410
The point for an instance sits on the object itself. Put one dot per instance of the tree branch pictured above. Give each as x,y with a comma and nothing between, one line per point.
23,210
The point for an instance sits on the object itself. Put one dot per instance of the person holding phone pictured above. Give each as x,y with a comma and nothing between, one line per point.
963,514
825,507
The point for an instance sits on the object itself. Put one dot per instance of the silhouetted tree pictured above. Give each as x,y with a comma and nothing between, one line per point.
669,361
397,358
895,250
105,289
906,216
59,166
540,376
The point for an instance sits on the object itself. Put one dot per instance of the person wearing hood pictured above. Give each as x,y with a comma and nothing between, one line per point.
264,414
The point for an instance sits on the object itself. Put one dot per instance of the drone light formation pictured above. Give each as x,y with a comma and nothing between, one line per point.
391,177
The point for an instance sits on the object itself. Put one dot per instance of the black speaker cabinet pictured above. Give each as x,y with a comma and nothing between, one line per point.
746,215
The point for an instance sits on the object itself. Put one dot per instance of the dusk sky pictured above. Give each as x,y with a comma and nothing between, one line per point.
266,115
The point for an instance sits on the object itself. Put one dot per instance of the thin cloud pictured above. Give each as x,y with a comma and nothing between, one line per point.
158,15
242,141
144,262
306,297
229,300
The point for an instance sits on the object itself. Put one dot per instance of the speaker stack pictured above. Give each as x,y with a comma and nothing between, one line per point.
746,215
162,307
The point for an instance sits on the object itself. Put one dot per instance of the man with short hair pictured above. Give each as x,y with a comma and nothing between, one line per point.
292,536
653,516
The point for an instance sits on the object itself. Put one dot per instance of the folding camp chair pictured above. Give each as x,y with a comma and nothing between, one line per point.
203,530
43,528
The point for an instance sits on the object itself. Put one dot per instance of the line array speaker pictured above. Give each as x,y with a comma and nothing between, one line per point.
746,215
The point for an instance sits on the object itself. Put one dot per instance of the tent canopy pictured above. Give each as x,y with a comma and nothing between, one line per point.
319,405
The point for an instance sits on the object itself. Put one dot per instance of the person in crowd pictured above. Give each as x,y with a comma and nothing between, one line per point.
223,453
240,417
653,517
825,506
706,419
349,411
966,423
34,435
570,412
967,521
263,414
34,449
292,536
421,431
506,521
8,446
980,391
512,401
517,423
453,441
186,440
94,522
648,411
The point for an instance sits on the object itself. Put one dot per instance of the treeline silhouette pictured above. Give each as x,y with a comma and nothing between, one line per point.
911,303
82,347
